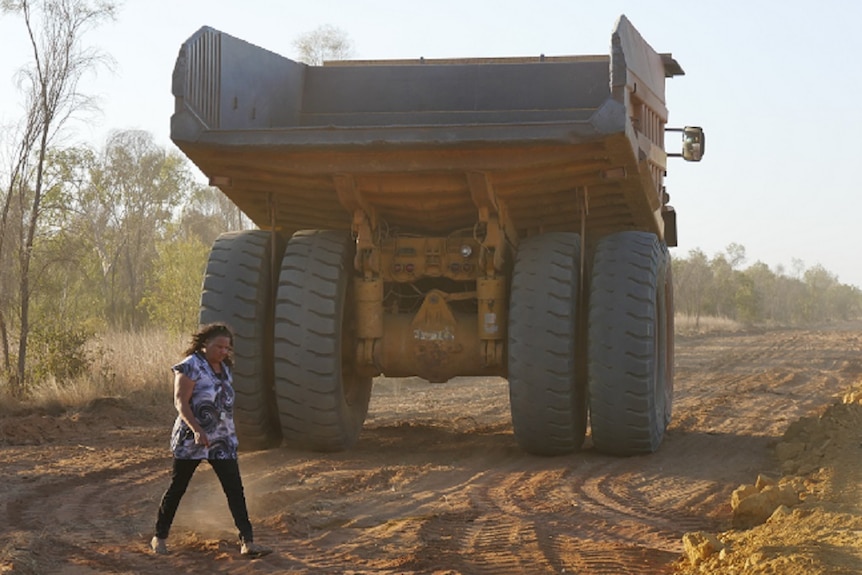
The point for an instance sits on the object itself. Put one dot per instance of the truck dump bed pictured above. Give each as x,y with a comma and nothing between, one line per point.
289,142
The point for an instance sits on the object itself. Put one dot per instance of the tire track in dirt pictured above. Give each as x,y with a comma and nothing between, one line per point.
755,384
595,513
74,504
507,539
624,497
80,501
535,515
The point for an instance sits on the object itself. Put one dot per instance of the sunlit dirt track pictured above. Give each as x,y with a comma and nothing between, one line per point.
436,484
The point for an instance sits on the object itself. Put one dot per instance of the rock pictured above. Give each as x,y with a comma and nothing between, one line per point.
754,509
700,545
740,493
763,481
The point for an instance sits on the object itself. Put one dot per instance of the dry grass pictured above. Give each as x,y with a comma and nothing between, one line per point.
690,325
129,365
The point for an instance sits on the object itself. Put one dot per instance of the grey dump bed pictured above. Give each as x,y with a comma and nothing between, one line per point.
551,137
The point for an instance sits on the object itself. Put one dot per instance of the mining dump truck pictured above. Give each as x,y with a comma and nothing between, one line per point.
441,218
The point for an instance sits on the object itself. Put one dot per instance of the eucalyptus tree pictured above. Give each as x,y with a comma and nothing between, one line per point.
50,85
326,42
692,279
142,188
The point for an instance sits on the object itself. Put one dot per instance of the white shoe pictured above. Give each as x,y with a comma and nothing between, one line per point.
159,545
251,549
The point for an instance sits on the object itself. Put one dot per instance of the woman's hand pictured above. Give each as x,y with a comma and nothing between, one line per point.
201,438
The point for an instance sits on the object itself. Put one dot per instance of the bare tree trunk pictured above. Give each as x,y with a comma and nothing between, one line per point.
4,341
27,251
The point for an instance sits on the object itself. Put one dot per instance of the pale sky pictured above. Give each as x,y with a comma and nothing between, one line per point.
774,83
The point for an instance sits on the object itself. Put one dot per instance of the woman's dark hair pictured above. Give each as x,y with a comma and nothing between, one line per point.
207,333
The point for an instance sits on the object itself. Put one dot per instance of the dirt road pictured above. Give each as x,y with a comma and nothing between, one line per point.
436,483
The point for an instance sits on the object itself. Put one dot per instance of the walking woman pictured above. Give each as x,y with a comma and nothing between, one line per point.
204,430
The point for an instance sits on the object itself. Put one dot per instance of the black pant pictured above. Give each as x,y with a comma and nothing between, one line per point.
227,471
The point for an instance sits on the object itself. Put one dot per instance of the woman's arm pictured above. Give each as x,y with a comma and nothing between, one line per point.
183,387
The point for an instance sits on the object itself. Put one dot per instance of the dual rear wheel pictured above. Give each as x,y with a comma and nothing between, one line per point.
630,344
626,340
293,377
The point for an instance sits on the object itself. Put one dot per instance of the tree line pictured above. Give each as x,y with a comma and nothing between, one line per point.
121,243
758,295
86,234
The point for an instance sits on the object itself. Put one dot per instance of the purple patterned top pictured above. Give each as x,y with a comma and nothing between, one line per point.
212,403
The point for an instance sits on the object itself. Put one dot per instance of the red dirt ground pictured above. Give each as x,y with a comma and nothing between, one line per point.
437,484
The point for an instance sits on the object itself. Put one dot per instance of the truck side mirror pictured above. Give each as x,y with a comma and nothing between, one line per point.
693,143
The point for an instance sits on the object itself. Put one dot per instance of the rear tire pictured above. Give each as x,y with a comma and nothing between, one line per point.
547,398
630,343
322,403
238,290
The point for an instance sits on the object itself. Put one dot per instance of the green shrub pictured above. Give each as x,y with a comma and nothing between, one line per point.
58,352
